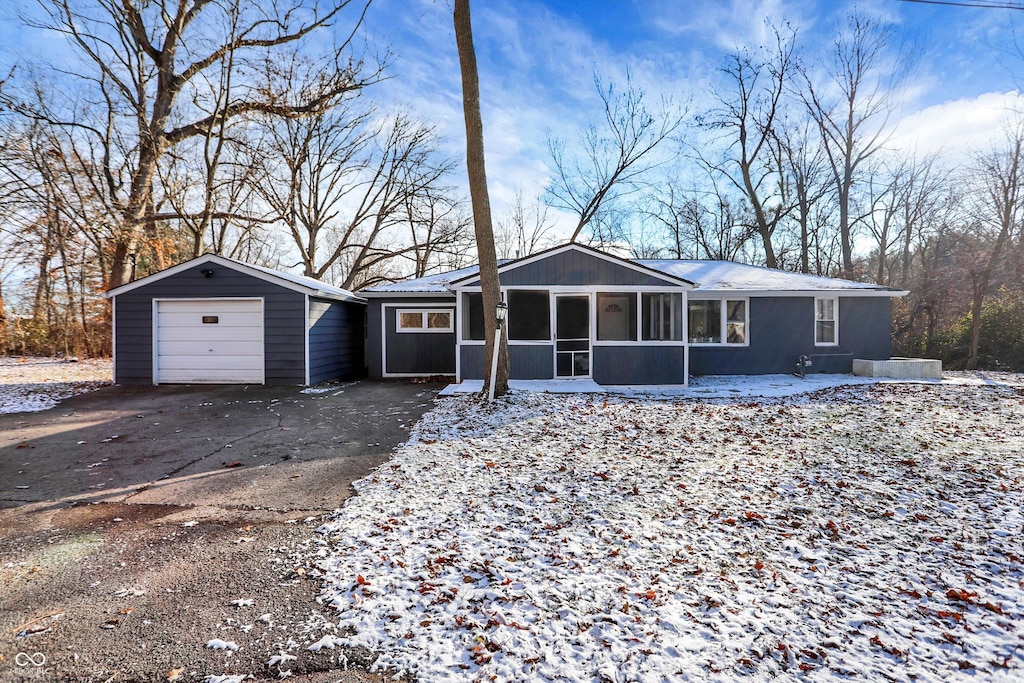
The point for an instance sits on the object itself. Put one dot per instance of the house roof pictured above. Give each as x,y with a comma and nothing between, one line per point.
547,253
707,276
298,283
727,276
431,284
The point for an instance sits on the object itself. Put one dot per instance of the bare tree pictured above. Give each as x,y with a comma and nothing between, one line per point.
207,183
851,107
489,283
49,232
904,196
748,116
997,177
524,230
343,182
614,158
802,163
143,64
440,230
694,225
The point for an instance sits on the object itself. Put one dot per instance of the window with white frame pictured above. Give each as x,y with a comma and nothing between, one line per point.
717,321
616,316
735,321
425,320
529,315
662,317
826,328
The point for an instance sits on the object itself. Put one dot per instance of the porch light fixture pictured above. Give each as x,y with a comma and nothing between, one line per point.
500,313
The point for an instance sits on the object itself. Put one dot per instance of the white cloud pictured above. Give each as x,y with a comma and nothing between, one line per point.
729,25
956,127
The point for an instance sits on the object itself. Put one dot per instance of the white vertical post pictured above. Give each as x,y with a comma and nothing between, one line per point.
500,313
494,363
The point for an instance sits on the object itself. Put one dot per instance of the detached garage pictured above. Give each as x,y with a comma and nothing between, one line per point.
214,320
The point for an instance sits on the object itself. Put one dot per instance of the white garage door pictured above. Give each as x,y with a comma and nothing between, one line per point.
209,341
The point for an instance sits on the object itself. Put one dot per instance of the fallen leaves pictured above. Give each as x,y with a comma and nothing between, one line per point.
712,527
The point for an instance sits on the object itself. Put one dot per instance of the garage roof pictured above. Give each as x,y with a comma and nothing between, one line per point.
298,283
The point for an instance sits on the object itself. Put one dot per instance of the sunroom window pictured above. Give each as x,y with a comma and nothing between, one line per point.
662,317
473,316
616,316
529,315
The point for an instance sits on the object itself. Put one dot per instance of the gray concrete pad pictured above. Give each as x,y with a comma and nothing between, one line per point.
195,495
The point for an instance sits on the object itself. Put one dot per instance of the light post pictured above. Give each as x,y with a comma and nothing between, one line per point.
501,310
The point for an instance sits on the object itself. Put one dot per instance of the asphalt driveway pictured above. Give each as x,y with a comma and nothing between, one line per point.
137,524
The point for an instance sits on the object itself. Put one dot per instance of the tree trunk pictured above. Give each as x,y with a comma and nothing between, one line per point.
486,252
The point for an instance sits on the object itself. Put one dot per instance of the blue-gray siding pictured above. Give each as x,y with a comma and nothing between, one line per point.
639,364
577,268
335,340
531,361
782,329
428,353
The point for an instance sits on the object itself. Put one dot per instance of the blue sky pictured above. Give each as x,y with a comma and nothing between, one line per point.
537,59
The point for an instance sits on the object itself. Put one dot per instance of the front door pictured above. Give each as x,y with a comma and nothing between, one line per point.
572,336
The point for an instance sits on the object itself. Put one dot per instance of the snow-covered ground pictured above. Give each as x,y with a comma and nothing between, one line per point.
732,386
28,385
870,532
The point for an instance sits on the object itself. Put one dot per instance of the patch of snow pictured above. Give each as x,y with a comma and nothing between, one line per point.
868,531
328,641
280,658
29,385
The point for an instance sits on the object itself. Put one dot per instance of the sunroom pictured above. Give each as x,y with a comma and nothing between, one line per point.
578,313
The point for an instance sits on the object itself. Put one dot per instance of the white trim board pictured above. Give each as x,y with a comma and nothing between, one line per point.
286,280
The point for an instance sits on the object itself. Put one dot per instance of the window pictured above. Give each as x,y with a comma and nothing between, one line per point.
425,321
473,316
705,321
735,322
662,317
717,321
826,331
616,316
529,315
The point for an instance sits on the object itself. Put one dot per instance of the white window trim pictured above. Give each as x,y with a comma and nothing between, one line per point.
423,329
723,313
835,320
